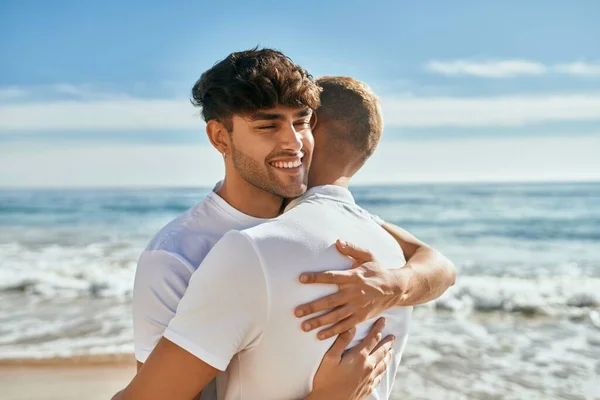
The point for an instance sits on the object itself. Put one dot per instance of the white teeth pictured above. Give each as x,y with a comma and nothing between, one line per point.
288,164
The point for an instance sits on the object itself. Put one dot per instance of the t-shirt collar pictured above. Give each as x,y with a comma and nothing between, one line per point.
333,192
232,211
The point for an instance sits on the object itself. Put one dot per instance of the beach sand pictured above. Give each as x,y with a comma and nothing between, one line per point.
65,379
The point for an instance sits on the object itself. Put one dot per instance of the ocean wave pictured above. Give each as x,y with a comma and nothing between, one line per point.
94,270
107,271
544,296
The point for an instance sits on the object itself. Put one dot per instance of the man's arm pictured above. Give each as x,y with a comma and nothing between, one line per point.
363,366
427,273
170,372
367,289
161,279
210,326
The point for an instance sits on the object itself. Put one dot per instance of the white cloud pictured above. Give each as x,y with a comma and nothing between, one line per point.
443,160
510,68
81,91
488,69
12,93
490,111
408,111
509,159
579,69
109,165
101,115
62,92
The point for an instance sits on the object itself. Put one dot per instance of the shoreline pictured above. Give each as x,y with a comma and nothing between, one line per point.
91,378
71,361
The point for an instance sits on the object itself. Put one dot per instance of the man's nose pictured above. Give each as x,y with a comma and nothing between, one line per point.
291,139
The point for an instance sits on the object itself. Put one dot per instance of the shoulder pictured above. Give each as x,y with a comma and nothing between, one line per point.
235,245
188,236
233,265
270,233
179,226
157,264
369,216
236,255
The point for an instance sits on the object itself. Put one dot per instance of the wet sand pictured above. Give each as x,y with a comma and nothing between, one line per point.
64,379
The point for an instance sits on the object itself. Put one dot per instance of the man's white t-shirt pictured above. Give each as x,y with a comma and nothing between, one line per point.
167,264
237,313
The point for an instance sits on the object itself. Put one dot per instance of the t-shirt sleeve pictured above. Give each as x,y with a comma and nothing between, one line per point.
226,306
377,219
161,279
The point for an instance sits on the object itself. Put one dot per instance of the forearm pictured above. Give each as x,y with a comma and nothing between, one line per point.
425,277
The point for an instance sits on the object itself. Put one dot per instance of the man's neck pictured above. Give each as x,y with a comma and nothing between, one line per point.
249,199
324,171
342,181
329,176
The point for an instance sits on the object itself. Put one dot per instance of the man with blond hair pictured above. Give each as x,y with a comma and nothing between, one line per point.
237,313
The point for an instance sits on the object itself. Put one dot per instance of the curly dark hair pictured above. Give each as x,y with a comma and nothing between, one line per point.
251,80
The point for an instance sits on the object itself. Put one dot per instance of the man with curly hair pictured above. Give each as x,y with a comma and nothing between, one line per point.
259,108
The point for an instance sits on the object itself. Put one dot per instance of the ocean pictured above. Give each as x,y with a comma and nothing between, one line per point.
522,321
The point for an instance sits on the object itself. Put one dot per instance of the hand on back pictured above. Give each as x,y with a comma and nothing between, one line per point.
354,374
365,291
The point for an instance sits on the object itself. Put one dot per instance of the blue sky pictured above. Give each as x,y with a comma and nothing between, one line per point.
95,93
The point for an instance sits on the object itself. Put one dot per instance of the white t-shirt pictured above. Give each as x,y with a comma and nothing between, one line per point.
237,313
167,264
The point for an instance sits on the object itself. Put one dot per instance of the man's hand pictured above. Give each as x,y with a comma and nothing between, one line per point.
366,290
355,374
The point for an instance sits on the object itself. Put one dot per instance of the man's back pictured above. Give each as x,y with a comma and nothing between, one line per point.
283,359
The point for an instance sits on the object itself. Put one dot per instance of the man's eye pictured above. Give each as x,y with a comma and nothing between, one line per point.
266,127
303,123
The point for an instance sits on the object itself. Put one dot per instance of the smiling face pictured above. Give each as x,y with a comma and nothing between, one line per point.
272,149
257,105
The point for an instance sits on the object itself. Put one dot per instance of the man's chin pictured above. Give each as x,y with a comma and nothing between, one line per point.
291,191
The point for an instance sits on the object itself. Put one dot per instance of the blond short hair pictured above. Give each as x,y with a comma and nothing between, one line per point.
351,113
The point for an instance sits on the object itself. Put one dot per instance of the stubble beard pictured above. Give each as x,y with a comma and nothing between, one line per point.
262,177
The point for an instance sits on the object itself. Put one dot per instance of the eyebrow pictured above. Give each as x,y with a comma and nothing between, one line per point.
266,116
303,113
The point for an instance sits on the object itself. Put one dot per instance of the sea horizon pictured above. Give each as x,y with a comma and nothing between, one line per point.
359,184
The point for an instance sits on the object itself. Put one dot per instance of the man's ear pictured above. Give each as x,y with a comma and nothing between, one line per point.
313,120
219,136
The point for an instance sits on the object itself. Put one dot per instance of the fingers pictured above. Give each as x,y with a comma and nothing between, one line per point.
383,347
350,250
343,340
324,303
383,357
368,344
331,317
382,366
331,277
341,326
